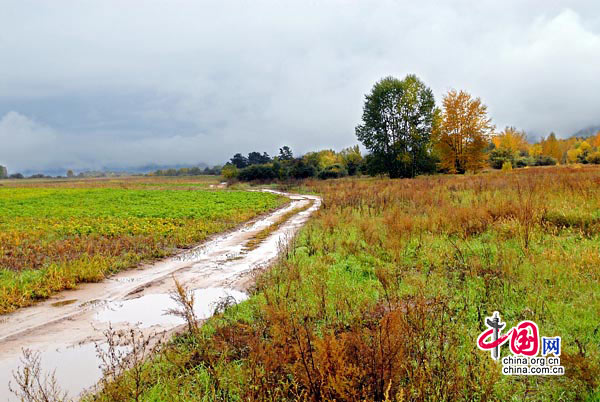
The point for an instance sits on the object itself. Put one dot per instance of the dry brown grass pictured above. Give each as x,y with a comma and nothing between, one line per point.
385,291
263,234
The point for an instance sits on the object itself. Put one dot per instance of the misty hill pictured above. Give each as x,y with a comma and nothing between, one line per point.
586,132
151,167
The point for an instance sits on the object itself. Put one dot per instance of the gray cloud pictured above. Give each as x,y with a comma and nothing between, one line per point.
112,83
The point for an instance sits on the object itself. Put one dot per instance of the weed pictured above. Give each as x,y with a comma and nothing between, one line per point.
125,372
35,385
382,294
263,234
184,298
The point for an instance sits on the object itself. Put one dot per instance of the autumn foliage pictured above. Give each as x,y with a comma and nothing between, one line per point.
463,133
512,139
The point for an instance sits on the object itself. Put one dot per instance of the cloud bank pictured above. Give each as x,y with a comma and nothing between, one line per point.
85,85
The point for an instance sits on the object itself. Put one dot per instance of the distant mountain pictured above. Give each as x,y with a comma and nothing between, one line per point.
151,167
586,132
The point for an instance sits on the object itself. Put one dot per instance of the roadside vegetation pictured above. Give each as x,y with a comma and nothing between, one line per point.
53,237
263,234
383,294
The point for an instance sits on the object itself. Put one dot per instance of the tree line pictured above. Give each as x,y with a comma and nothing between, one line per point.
407,134
323,164
192,171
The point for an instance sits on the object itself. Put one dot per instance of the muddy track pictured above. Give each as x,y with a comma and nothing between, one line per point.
66,328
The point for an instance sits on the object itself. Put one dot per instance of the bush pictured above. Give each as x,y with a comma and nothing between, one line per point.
428,164
524,161
332,172
372,165
507,166
545,160
594,158
257,172
352,167
229,172
500,156
301,170
215,170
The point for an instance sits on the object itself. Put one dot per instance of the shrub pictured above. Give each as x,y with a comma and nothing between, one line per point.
257,172
372,166
594,158
499,156
524,161
352,167
301,170
332,172
507,166
545,160
229,172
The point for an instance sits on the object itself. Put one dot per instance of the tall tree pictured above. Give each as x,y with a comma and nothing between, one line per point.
255,158
551,147
596,140
321,159
352,159
397,121
285,153
239,161
463,133
511,139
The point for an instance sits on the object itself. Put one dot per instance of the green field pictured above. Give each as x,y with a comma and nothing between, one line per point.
385,291
53,237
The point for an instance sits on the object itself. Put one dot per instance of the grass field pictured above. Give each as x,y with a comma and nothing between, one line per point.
130,182
55,234
385,291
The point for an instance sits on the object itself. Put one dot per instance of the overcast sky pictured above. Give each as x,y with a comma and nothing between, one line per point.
91,84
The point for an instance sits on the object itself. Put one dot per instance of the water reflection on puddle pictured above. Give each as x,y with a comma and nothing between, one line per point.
75,368
149,310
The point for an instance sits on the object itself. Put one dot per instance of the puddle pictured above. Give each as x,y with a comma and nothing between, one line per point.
75,368
63,303
149,310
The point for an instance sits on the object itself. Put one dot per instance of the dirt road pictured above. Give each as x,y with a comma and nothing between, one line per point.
66,327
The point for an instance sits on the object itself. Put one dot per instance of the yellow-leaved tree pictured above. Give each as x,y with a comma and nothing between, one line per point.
596,140
573,155
551,147
535,150
462,133
511,139
322,159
